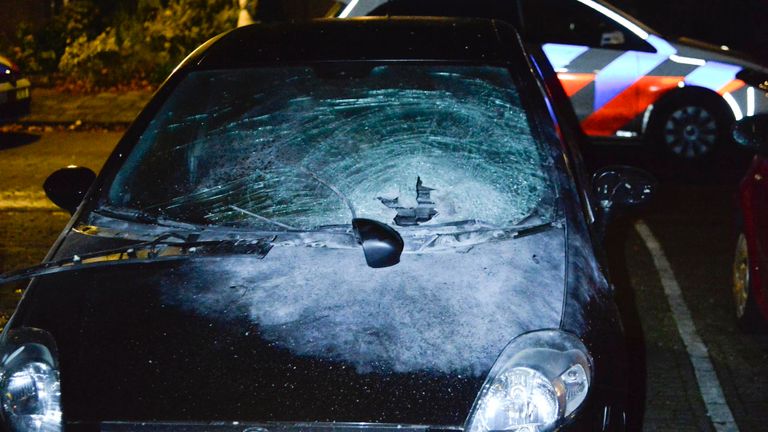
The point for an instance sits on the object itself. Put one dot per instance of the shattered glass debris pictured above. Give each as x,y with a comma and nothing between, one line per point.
285,149
423,212
447,312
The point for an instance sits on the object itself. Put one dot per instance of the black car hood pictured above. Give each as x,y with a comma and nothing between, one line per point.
303,334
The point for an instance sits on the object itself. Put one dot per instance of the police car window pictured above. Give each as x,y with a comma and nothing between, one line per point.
573,23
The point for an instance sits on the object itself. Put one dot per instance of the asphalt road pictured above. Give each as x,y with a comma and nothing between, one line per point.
693,218
29,223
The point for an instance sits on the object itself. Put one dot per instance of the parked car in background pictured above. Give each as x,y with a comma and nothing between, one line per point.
750,268
14,91
301,233
624,79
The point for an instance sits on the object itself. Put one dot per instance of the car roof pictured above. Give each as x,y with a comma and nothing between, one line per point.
361,39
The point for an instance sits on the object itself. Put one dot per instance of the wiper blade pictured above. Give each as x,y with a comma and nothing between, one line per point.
471,238
162,248
133,215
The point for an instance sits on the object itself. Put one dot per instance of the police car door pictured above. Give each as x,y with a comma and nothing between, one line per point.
598,58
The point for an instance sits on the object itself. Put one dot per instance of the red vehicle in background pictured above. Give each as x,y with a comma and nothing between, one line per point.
750,267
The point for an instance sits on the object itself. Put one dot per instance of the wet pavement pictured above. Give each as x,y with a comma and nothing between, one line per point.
693,218
50,106
29,223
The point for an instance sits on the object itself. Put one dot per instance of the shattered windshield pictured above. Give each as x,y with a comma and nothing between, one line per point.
302,148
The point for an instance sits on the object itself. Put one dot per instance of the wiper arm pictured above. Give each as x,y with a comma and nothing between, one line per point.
262,218
161,248
334,189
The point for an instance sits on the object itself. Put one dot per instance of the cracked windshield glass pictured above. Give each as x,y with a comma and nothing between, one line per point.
303,148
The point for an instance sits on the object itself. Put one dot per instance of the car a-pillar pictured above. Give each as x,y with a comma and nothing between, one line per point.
690,123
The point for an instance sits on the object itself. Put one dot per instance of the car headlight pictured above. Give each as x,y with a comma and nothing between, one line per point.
30,390
539,379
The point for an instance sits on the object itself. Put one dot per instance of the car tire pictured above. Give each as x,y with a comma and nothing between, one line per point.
690,126
748,316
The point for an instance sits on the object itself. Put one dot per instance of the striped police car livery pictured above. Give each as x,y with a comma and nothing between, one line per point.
624,79
614,92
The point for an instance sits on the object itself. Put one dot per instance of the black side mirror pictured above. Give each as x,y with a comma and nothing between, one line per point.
67,186
623,186
752,133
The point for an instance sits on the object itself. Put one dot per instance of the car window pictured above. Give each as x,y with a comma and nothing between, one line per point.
310,147
573,23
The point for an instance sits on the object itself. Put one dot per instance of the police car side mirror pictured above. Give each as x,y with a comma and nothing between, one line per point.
752,133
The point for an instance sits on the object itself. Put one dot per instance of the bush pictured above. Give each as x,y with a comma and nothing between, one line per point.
148,48
182,26
91,62
38,51
95,44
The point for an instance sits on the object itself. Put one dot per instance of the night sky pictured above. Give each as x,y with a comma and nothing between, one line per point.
740,24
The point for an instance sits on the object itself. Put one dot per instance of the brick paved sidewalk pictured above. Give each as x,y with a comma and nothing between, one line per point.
53,107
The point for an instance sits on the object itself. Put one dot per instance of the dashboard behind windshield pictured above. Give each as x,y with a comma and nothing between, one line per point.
301,148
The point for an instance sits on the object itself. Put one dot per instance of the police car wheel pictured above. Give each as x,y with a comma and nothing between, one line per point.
690,132
689,128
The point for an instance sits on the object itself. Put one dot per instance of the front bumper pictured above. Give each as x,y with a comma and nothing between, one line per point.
594,417
15,99
256,427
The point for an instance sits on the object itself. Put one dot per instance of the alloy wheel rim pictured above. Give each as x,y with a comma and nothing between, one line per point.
741,276
690,132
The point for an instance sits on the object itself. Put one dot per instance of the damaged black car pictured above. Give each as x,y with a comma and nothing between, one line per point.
377,224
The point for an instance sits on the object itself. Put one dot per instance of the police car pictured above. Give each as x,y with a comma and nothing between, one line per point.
624,79
14,91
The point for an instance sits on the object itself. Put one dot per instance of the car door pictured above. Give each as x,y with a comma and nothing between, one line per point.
600,58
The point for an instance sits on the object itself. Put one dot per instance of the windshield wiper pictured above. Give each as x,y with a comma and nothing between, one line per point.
168,246
333,189
482,234
134,215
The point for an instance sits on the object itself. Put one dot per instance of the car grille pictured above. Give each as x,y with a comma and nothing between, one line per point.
270,427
